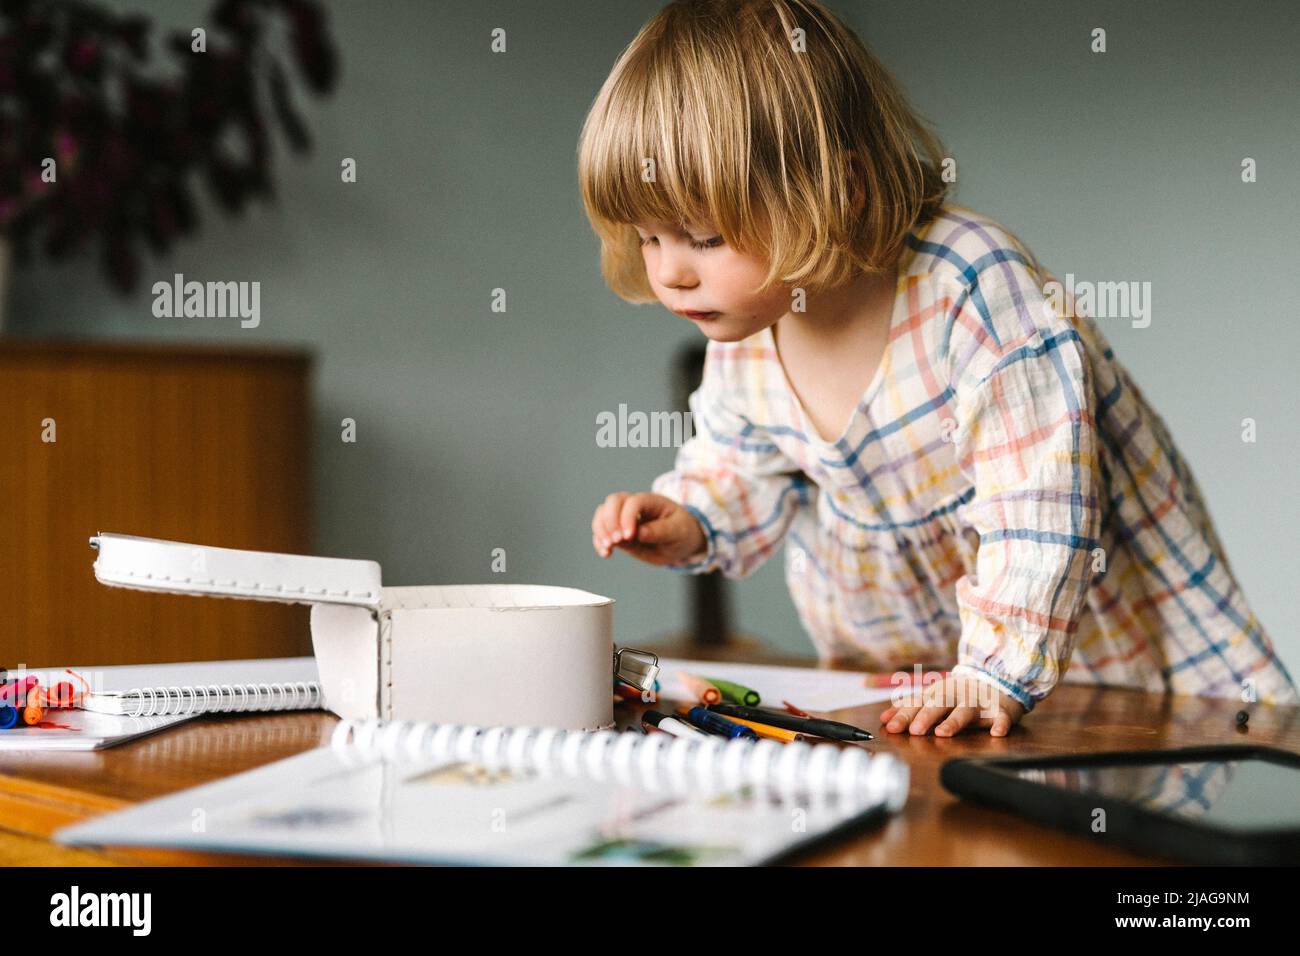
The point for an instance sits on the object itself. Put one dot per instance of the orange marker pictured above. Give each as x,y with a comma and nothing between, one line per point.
700,689
33,713
764,730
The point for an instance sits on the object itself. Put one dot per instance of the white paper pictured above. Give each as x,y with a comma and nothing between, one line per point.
82,730
808,688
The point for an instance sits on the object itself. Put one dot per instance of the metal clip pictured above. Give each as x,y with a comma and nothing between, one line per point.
639,668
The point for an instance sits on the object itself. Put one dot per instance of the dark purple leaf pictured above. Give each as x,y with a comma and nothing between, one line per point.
126,165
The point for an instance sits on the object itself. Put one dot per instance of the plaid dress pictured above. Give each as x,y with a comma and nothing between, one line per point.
1004,499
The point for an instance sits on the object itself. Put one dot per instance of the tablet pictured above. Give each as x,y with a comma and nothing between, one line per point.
1233,805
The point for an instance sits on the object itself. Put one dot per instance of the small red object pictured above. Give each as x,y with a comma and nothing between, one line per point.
77,696
794,710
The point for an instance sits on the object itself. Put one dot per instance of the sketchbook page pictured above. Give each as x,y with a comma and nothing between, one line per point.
323,804
808,688
82,730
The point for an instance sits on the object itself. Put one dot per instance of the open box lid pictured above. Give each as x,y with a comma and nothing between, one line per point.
174,567
150,564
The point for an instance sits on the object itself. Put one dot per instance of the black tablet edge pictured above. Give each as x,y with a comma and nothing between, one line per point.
1128,825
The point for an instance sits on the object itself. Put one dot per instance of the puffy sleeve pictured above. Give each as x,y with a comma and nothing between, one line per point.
729,474
1026,439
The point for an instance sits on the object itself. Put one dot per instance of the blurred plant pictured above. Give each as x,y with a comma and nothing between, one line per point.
77,85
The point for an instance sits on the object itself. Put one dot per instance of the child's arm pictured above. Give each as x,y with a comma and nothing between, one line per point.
1026,438
741,490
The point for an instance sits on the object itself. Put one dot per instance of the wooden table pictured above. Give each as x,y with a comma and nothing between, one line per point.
39,792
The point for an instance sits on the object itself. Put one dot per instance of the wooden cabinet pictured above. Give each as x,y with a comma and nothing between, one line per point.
190,443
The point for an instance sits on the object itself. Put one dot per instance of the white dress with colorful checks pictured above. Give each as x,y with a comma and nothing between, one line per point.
1004,499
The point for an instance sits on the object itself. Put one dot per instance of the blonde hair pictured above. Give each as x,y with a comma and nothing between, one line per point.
770,146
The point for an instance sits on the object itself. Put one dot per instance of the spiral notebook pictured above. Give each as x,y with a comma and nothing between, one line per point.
421,793
125,702
205,687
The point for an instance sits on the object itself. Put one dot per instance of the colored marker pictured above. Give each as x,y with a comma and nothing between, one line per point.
8,717
813,726
16,690
670,725
628,692
700,689
765,730
736,693
34,713
714,724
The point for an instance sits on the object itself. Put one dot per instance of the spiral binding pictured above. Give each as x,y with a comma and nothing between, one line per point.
220,698
705,765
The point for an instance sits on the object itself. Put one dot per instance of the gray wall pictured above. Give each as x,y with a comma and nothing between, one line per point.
477,430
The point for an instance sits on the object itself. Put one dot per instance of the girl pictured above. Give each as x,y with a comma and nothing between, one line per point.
962,469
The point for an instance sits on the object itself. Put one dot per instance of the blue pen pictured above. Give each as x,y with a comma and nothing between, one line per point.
8,717
712,723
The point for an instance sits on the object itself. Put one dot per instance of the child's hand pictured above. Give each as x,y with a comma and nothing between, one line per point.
650,527
953,703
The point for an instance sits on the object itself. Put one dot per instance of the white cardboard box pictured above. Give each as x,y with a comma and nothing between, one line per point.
480,654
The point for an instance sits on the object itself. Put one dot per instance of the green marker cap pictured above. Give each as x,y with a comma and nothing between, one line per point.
736,693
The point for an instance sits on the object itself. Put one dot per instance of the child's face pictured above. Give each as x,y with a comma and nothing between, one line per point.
695,271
